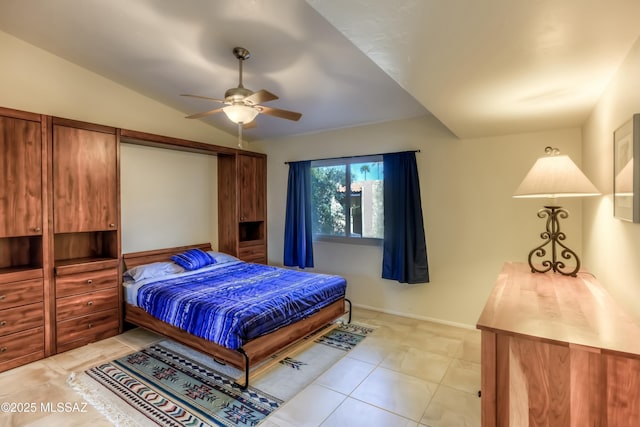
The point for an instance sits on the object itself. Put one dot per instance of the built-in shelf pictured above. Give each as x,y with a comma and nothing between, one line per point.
251,231
75,248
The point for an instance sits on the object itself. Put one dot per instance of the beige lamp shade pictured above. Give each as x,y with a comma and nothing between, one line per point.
555,176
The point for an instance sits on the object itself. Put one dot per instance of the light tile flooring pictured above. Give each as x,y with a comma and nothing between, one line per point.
408,373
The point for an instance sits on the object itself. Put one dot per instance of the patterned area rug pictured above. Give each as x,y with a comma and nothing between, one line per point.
169,384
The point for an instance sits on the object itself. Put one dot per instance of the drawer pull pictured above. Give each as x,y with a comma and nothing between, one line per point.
3,323
112,225
90,325
3,349
89,281
2,297
90,303
37,229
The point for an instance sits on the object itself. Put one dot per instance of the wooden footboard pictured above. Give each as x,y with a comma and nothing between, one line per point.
254,351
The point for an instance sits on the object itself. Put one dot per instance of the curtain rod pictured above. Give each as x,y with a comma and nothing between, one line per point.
349,157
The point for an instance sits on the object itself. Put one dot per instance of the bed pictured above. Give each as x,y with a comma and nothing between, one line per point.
239,313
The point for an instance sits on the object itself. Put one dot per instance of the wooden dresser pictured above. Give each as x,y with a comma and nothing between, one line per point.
557,351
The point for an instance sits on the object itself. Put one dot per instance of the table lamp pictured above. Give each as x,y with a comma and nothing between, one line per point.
554,176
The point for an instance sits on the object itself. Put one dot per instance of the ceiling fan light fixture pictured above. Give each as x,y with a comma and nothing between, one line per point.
239,113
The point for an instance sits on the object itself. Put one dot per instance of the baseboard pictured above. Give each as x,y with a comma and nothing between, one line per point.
413,316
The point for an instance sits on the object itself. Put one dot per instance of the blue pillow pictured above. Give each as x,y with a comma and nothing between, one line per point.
193,259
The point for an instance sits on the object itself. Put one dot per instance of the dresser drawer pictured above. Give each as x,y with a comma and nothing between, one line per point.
89,281
18,275
21,318
78,331
253,253
21,347
80,305
15,294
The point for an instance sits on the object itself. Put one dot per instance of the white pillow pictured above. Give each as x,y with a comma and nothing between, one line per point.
154,269
222,257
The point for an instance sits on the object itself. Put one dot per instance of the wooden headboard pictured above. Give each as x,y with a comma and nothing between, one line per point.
134,259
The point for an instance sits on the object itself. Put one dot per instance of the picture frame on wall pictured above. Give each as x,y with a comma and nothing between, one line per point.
626,170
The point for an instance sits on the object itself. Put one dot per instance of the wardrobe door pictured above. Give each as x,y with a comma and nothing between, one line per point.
84,180
252,176
21,177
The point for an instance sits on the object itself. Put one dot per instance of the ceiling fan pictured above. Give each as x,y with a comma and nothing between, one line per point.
242,104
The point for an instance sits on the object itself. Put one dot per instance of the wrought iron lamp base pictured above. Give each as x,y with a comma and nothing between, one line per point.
554,237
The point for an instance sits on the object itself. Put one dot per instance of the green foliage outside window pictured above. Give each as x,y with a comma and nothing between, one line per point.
328,202
347,199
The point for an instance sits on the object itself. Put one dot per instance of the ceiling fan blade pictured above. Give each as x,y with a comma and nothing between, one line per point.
259,97
283,114
205,113
204,97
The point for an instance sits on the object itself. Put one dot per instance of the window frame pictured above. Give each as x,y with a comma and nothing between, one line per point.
348,161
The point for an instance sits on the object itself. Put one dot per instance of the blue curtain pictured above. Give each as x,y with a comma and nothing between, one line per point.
404,255
298,239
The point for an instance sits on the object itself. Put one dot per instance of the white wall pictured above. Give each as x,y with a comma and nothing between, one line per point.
32,79
168,198
472,223
612,246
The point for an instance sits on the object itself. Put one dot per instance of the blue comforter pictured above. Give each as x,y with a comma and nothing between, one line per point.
239,302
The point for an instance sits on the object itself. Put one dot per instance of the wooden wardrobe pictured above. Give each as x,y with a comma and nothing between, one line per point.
86,233
24,286
59,235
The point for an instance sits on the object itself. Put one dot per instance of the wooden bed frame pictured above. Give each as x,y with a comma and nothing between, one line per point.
250,354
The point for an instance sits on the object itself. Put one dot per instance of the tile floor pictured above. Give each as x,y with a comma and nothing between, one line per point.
408,373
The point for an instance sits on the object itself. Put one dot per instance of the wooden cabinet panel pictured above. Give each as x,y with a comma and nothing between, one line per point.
21,318
21,347
21,177
90,303
79,331
557,351
20,293
89,281
84,180
622,390
252,175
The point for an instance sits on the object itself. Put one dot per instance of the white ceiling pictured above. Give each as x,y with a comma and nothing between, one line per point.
482,67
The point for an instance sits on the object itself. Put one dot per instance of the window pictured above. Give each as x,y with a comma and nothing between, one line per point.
347,199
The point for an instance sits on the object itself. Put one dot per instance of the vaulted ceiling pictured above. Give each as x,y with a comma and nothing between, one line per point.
482,67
